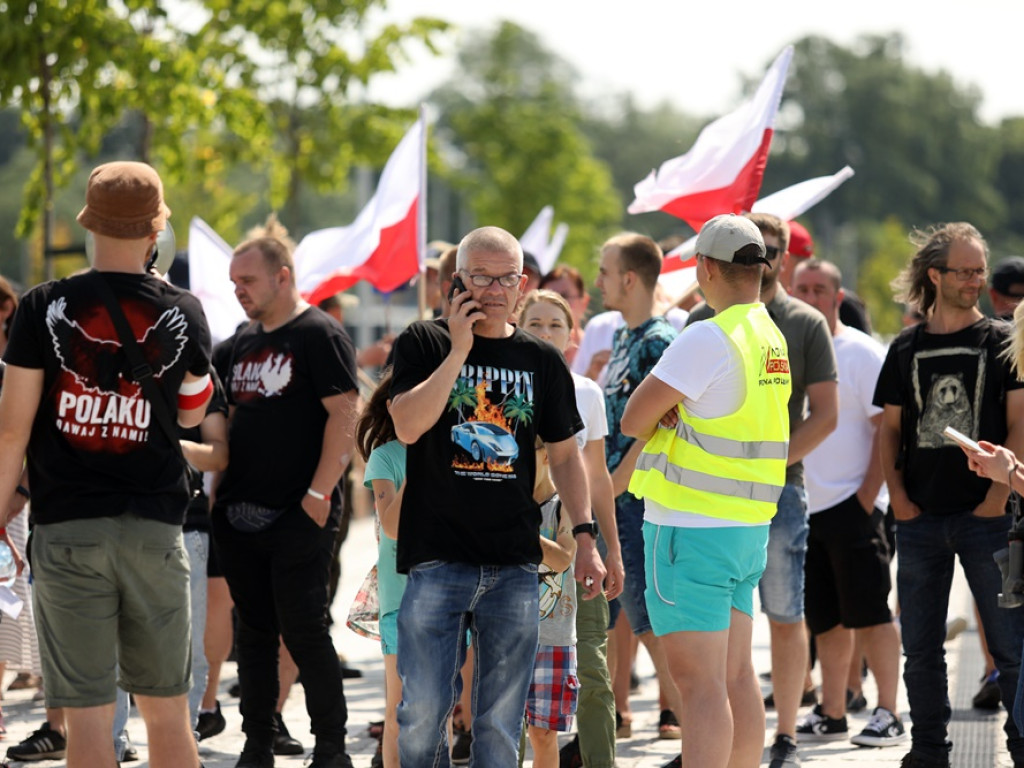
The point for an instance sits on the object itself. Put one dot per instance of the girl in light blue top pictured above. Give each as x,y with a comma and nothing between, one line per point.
385,476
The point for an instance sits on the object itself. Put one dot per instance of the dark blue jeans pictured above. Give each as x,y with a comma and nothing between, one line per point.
925,548
278,579
498,604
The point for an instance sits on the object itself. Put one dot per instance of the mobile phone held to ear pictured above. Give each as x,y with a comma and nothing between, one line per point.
457,285
961,439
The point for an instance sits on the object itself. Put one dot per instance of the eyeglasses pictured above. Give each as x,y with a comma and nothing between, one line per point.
966,273
484,281
771,251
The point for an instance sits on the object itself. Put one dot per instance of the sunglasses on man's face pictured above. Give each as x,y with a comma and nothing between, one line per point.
771,251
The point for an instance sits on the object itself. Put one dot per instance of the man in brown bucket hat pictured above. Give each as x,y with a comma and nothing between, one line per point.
106,474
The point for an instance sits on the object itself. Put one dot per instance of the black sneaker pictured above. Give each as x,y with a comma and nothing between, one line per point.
44,744
675,762
461,747
284,744
783,753
912,760
255,756
569,756
377,761
883,730
817,726
210,723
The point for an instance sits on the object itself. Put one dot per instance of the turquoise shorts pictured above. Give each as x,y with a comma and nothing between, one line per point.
388,626
696,576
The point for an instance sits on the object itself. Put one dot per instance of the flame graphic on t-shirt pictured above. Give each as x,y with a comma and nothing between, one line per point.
485,411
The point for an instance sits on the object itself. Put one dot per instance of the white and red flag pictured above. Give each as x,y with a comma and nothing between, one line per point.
538,240
679,269
386,242
209,261
723,170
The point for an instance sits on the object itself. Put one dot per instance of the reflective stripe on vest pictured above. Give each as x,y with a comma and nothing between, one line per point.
699,481
732,449
732,467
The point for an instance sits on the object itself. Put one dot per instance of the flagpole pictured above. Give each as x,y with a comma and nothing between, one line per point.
421,234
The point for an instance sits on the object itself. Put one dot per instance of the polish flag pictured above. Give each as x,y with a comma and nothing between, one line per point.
723,170
679,268
209,262
385,244
538,240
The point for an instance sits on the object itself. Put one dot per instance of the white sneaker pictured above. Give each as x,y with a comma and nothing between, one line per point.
883,730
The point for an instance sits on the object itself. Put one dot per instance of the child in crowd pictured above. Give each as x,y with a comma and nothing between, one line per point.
551,703
385,475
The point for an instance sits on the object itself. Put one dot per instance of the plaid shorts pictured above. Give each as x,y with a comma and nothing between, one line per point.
554,688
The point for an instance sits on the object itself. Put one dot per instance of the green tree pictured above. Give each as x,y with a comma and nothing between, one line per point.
914,138
887,251
632,141
272,85
511,123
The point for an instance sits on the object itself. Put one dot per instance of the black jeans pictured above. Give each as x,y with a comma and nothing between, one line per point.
278,578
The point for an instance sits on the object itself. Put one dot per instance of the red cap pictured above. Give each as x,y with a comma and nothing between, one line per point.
800,243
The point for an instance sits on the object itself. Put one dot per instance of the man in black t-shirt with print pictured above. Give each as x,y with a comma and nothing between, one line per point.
948,371
470,395
292,390
110,571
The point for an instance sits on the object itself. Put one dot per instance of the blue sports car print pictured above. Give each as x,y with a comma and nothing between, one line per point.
486,442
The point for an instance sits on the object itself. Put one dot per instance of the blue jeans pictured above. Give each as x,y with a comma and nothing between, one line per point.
498,604
629,519
782,584
926,547
197,546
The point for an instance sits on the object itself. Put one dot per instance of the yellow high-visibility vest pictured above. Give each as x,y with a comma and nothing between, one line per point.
732,467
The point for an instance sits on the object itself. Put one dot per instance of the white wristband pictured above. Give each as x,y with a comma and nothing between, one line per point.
316,494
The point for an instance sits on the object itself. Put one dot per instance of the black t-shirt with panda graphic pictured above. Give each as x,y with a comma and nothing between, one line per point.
954,379
96,449
276,382
470,477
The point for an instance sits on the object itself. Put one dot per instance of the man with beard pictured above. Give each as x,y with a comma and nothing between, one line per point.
948,370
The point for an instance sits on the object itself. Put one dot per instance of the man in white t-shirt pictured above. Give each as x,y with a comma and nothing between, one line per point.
847,565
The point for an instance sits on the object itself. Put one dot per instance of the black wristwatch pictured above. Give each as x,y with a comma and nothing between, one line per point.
590,528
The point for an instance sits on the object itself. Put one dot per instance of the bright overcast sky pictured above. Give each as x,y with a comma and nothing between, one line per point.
679,50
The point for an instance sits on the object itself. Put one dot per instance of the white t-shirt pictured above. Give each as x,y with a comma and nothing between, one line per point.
835,469
705,366
590,404
600,331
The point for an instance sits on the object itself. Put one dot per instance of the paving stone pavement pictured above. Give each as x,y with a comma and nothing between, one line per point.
978,737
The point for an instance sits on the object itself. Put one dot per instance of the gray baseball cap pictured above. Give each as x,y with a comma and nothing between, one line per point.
728,237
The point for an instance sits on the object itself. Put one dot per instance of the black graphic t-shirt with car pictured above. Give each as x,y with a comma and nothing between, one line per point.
958,380
276,383
469,495
96,448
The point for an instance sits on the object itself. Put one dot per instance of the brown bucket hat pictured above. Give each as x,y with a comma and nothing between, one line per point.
124,200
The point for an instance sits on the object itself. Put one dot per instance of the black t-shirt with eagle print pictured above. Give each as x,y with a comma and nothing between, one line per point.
96,448
275,383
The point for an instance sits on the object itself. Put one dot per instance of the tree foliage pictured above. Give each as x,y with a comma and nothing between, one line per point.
914,138
512,126
266,84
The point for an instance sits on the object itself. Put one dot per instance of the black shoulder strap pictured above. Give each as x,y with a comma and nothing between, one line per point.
140,370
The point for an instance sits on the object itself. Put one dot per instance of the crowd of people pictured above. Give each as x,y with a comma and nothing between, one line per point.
549,491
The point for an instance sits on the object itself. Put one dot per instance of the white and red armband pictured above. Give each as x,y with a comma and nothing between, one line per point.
195,394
